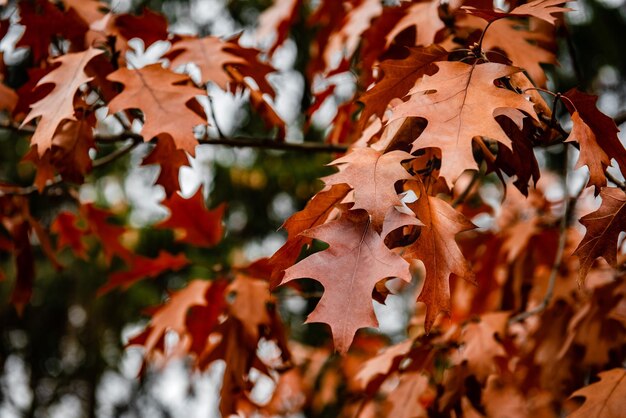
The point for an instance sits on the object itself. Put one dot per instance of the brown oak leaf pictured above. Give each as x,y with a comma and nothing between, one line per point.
424,17
398,77
591,153
58,105
373,176
165,100
343,42
172,316
541,9
437,249
348,269
523,47
142,267
603,229
605,398
195,223
314,213
213,55
602,126
278,19
460,102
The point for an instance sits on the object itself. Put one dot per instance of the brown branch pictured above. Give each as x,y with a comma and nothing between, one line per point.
558,259
267,143
248,142
26,190
554,272
120,152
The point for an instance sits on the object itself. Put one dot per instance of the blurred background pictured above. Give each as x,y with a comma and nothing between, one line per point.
65,357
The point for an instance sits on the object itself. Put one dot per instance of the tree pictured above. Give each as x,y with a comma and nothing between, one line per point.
450,184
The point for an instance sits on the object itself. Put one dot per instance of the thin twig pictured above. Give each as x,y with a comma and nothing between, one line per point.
610,177
26,190
115,154
554,272
572,53
558,259
267,143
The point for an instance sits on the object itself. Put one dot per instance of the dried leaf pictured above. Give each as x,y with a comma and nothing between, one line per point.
349,269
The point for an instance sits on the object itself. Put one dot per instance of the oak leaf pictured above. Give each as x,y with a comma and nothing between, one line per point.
602,126
460,102
197,225
480,344
172,316
88,10
541,9
314,213
372,176
58,105
437,249
405,401
591,153
170,160
108,234
523,47
43,21
142,267
398,77
214,56
165,100
603,229
278,18
348,269
70,234
605,398
343,43
424,17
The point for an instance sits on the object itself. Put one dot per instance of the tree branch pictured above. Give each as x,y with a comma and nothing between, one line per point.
242,141
109,158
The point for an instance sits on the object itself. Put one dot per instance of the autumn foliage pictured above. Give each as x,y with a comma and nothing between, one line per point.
437,193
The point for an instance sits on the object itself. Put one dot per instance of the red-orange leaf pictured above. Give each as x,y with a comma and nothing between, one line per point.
197,225
170,161
601,125
460,102
591,154
541,9
70,235
58,105
276,20
348,269
603,399
108,234
373,176
172,316
437,249
315,212
603,229
398,77
142,267
212,55
165,100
